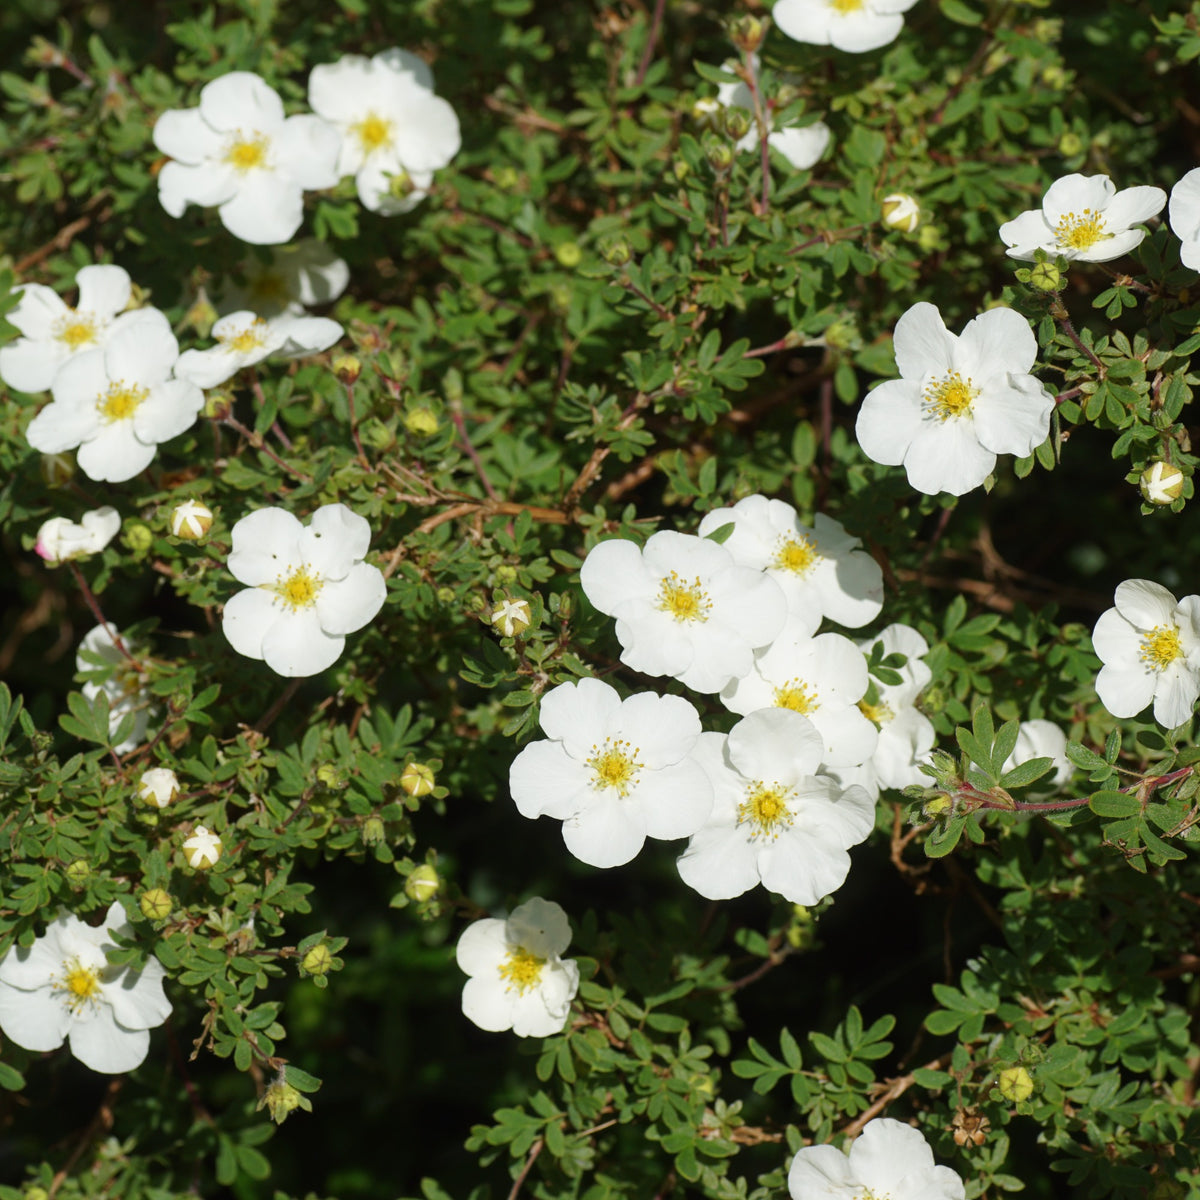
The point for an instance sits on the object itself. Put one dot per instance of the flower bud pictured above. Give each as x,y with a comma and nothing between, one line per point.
1161,483
138,537
372,832
327,775
747,33
1046,277
1015,1083
78,872
506,178
720,156
422,883
158,787
901,211
681,169
706,112
347,368
938,806
318,960
737,123
506,573
401,186
446,595
1070,145
202,849
417,779
421,421
35,1193
191,520
57,469
155,904
568,254
616,251
512,617
217,406
281,1100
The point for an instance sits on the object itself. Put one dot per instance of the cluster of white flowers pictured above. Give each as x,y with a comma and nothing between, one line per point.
376,119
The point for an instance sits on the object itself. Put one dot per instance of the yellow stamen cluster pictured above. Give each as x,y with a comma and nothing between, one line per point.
75,329
766,809
950,396
684,601
1080,231
615,765
247,340
878,714
299,589
1161,647
522,969
795,554
796,695
121,401
246,153
372,132
846,6
79,985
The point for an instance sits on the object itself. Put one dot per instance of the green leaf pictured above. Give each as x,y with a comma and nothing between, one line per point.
1114,804
1027,772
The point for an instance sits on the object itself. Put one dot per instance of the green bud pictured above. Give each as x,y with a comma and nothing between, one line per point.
568,254
1070,145
737,123
720,156
747,33
281,1100
347,368
1016,1084
901,211
422,883
560,296
155,904
938,806
446,595
1161,483
401,186
506,573
616,251
35,1193
376,434
327,775
842,335
318,961
506,178
681,169
217,406
78,872
422,422
372,832
138,537
1046,277
417,779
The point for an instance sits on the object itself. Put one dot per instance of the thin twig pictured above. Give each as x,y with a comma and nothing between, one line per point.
530,1159
257,443
648,53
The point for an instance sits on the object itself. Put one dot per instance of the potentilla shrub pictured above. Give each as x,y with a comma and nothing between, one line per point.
608,584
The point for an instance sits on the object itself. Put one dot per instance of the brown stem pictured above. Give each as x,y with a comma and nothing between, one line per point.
1060,315
362,454
459,424
530,1159
267,719
257,442
92,603
648,53
764,128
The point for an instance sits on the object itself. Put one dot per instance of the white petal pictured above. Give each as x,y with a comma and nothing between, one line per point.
183,134
1145,603
266,543
801,147
105,1046
820,1171
481,947
103,290
335,538
664,728
335,90
308,149
170,409
38,311
487,1004
605,832
923,344
33,1020
137,998
114,454
208,368
142,352
540,926
1175,695
205,184
613,573
719,863
775,744
404,62
1125,691
30,967
675,801
890,418
805,20
995,343
305,335
581,714
30,366
266,210
1073,193
858,32
296,646
247,617
428,137
803,869
346,605
1026,233
947,457
1132,206
545,781
241,101
1013,416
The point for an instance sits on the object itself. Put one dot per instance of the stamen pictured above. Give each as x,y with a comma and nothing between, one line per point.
615,765
121,401
522,970
950,396
79,985
247,340
795,554
797,696
766,809
246,153
372,132
75,329
878,714
1080,231
299,589
684,601
1161,647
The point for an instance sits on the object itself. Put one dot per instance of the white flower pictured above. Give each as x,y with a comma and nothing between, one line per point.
1183,214
822,678
901,211
851,25
292,279
1083,217
117,403
55,332
1042,739
774,819
59,540
244,339
63,988
518,981
801,146
308,587
202,850
683,607
821,570
905,735
959,402
191,520
1150,647
158,787
613,771
512,617
888,1159
237,150
395,131
125,686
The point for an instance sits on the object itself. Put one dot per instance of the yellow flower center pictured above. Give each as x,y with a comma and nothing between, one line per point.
522,969
879,714
766,809
1080,231
247,153
121,401
299,589
797,696
950,396
372,132
615,765
846,6
78,985
684,601
76,330
1161,647
795,554
247,340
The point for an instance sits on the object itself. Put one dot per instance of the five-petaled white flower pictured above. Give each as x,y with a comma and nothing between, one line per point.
244,339
1039,738
684,607
158,787
63,988
822,571
54,332
852,25
906,735
1183,213
518,979
888,1159
308,588
395,131
59,540
286,279
802,146
959,401
613,771
202,850
1083,217
125,683
774,819
1150,647
822,678
238,151
117,403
